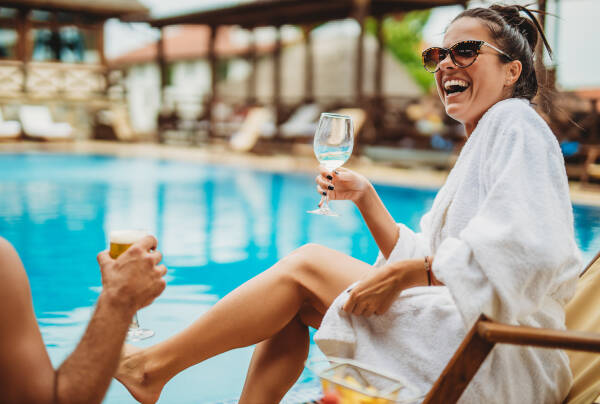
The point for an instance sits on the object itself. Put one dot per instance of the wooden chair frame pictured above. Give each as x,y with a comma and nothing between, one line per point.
481,339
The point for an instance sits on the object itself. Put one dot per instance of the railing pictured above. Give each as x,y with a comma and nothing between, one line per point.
64,81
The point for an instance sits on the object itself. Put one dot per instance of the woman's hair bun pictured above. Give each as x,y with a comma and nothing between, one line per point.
526,26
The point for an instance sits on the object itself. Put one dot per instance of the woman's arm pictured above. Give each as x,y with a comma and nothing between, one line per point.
346,184
378,219
378,290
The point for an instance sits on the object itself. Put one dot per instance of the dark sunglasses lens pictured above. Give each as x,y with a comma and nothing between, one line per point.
432,57
464,53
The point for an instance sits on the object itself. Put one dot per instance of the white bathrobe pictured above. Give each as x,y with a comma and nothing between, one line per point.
501,234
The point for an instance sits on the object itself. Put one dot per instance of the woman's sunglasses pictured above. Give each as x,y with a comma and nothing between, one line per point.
463,54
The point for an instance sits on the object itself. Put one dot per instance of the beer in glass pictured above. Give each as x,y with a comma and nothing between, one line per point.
120,241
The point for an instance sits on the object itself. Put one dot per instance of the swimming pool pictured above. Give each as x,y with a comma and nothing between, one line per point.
216,226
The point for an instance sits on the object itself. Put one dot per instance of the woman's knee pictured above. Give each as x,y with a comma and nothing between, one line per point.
305,256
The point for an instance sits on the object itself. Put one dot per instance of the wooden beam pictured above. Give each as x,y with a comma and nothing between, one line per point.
460,370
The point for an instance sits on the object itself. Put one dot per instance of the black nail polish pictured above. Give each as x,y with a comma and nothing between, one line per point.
324,193
330,187
329,177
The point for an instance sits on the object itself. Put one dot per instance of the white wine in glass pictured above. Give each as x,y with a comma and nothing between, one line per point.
334,140
120,241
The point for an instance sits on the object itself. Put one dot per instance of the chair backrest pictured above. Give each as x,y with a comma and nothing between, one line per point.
35,115
245,138
583,314
358,115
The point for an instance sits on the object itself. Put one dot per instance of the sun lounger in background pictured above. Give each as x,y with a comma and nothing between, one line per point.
583,345
359,117
591,169
258,122
9,130
38,124
302,123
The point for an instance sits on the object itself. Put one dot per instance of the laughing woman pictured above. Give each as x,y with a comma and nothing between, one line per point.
498,240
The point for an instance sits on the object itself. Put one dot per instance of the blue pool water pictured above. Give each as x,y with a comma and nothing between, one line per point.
216,226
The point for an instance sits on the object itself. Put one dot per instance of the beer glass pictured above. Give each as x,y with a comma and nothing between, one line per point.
121,240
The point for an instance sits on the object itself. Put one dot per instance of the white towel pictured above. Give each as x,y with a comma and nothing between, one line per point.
501,233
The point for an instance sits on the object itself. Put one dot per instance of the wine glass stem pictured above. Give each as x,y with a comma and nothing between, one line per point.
135,322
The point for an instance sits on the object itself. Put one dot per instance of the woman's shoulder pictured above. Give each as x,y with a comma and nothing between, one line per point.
512,110
517,117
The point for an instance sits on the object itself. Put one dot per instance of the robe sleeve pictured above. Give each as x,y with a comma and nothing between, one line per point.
519,246
410,245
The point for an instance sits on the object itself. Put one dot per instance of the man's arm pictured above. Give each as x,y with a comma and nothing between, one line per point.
26,373
130,283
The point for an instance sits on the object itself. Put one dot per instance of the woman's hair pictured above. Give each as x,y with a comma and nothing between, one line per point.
517,36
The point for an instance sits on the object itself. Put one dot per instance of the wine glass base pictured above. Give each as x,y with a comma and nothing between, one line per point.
324,212
138,334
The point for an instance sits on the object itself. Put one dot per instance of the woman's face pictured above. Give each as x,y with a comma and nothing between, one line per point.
486,79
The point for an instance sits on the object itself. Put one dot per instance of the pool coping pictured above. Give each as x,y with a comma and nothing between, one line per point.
296,161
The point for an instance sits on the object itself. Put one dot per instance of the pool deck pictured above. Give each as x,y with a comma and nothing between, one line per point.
299,161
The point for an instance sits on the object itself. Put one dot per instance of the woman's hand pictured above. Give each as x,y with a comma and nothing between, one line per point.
341,184
376,292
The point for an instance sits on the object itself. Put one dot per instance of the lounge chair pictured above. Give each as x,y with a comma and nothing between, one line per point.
591,169
302,123
9,130
38,124
358,115
259,121
582,314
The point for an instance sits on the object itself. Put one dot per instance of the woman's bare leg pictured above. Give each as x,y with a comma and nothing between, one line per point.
278,361
257,310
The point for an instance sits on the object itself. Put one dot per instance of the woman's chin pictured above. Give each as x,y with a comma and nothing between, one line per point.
455,112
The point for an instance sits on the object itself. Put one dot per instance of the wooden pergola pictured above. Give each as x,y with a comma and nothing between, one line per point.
22,78
305,13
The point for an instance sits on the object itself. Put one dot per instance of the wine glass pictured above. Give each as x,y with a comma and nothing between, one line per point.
333,146
120,241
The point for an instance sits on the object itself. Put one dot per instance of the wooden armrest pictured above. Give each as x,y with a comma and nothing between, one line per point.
541,337
481,339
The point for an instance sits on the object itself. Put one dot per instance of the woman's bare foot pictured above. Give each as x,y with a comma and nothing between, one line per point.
134,375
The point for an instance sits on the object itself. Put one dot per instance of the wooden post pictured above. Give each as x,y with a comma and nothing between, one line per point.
309,73
23,28
162,64
251,83
361,11
277,78
99,30
212,59
378,112
595,121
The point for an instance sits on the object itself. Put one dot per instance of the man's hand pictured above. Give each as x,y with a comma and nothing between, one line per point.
134,279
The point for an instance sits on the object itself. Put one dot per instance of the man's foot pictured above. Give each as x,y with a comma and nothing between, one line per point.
133,374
